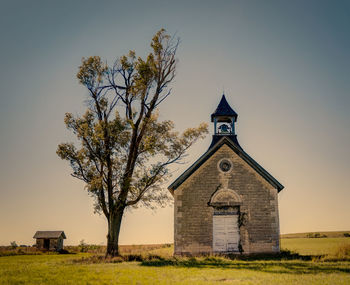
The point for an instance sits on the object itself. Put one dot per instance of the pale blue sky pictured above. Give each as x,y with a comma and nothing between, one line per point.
284,66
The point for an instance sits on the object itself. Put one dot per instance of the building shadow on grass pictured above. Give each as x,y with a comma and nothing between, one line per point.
283,263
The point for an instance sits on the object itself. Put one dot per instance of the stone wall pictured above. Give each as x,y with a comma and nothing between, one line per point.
193,218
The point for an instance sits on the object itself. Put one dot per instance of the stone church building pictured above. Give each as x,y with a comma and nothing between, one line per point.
225,202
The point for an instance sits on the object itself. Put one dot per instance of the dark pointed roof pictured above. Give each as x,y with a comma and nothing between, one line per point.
49,234
225,140
223,109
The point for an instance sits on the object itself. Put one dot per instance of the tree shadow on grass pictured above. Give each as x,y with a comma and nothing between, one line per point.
283,263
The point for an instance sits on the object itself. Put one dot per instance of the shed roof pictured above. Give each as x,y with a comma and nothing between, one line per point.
49,234
238,150
224,109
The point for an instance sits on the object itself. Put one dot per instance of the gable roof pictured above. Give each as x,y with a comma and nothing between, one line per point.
49,234
224,109
238,150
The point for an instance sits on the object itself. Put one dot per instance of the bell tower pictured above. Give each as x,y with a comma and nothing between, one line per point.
224,119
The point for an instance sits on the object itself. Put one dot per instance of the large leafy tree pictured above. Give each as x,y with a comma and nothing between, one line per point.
125,150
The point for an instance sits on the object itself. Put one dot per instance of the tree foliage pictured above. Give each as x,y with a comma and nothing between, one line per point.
125,150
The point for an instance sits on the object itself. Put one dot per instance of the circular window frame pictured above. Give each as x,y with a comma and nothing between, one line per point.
223,160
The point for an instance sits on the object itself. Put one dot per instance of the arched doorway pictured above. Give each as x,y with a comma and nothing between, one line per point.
226,236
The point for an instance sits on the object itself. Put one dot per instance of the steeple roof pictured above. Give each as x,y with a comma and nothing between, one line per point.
224,109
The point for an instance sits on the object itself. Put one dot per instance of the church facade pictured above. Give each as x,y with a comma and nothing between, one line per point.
225,202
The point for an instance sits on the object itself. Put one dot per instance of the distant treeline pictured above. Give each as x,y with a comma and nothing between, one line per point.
335,234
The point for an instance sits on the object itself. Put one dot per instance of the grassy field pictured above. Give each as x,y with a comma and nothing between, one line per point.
158,267
313,246
334,234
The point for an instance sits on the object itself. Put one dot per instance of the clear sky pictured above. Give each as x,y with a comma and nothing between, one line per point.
284,66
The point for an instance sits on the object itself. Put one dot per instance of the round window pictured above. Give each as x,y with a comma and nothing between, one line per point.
225,165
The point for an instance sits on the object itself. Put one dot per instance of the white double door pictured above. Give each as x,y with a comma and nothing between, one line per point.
225,233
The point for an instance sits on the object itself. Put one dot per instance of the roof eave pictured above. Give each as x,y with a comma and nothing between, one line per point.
173,186
267,176
38,235
227,116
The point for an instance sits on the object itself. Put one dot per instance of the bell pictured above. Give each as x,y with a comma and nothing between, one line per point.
224,128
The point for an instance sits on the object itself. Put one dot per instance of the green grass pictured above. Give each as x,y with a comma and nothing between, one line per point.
59,269
56,269
67,269
313,246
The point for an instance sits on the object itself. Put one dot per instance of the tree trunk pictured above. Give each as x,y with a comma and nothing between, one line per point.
114,224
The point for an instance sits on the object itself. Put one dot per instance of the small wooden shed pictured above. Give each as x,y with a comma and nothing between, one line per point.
50,240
